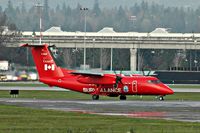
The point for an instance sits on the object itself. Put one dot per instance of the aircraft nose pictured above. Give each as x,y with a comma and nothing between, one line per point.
166,90
169,91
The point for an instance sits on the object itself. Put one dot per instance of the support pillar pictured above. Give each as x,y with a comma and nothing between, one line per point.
133,59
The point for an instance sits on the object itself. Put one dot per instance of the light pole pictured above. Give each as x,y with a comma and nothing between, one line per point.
84,56
139,58
93,53
39,6
111,59
195,56
101,64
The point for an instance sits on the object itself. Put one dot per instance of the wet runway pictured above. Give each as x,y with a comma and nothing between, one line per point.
173,110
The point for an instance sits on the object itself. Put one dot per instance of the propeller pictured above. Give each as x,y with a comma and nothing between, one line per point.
148,74
118,79
143,72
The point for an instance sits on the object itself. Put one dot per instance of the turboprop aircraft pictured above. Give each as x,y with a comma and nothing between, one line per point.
95,84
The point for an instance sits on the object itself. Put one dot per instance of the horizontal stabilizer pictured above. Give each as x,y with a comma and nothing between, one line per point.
32,45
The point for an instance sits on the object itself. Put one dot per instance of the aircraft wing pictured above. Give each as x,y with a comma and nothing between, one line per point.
88,74
95,78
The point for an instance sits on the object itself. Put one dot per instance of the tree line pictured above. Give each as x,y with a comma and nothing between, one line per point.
142,17
147,17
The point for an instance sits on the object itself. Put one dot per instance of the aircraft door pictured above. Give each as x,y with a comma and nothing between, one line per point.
134,86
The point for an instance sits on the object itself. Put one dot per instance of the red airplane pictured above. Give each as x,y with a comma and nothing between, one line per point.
95,84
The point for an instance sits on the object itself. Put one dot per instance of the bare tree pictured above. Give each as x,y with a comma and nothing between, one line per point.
9,37
67,56
8,32
105,58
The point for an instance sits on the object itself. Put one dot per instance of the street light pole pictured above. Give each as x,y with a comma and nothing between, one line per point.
39,6
85,26
195,56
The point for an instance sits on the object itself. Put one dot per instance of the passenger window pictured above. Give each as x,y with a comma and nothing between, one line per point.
154,81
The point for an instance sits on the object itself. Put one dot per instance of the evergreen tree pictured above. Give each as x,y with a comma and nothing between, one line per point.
23,8
96,9
10,12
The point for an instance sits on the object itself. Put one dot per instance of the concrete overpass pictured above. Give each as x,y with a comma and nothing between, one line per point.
125,40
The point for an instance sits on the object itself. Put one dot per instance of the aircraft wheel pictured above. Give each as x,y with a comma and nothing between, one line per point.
122,97
161,98
95,97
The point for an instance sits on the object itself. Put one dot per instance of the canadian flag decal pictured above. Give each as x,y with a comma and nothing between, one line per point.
49,67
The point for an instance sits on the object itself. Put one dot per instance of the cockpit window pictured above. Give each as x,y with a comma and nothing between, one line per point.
154,81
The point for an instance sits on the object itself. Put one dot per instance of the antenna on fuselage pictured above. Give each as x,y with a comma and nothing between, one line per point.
39,8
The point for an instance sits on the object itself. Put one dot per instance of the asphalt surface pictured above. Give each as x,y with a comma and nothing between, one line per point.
171,110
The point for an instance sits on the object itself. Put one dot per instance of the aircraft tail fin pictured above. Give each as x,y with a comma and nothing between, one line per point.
44,62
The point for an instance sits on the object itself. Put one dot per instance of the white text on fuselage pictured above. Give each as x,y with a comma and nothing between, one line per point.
102,90
113,90
88,90
47,61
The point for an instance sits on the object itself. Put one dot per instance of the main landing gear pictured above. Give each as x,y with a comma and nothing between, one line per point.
95,97
122,97
161,98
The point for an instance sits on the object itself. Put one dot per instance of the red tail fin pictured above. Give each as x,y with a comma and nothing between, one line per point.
44,62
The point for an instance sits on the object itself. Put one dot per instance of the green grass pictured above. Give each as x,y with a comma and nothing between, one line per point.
80,96
26,120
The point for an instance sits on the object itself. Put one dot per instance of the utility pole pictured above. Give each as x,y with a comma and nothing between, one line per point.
39,7
111,59
85,27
